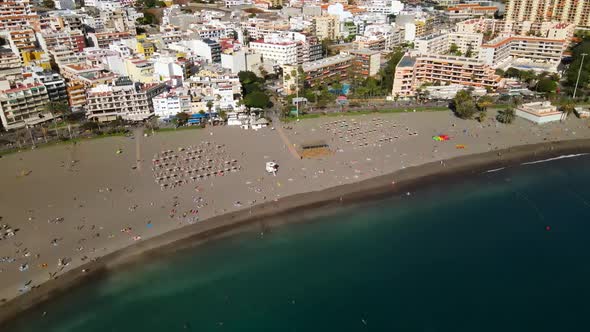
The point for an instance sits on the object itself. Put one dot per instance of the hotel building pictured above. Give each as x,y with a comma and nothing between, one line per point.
413,71
23,106
335,68
122,98
571,11
540,54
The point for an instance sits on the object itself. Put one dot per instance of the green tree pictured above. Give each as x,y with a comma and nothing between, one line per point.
573,69
567,108
546,85
512,73
182,118
57,109
49,4
388,72
484,102
469,52
454,49
517,101
223,115
464,105
247,77
528,76
481,116
209,106
506,116
326,46
256,99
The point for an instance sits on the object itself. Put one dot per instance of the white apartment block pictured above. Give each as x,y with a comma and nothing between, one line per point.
122,48
539,54
167,67
548,29
167,105
383,6
441,43
281,53
125,99
24,105
379,37
223,90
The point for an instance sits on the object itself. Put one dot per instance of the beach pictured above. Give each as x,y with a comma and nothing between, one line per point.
80,210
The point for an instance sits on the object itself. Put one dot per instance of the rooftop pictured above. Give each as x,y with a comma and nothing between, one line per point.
333,60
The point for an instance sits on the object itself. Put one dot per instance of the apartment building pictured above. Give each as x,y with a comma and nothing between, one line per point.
21,40
541,54
382,6
570,11
72,39
54,84
208,49
259,28
403,82
441,43
80,77
122,98
66,20
10,64
223,90
104,39
416,70
241,60
366,62
279,52
465,11
18,15
335,68
210,32
23,106
62,55
167,105
378,37
137,69
548,29
309,49
327,27
167,67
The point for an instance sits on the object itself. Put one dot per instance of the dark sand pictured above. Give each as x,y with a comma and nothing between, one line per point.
275,212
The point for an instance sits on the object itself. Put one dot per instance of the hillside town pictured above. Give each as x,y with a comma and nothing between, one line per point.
130,126
82,64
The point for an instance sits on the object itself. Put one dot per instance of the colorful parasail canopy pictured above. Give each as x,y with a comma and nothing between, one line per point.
440,138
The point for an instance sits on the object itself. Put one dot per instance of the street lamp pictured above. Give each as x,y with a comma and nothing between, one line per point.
579,72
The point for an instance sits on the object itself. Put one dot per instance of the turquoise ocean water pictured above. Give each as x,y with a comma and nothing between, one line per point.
472,254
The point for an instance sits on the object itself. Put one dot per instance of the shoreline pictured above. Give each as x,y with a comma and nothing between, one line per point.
375,188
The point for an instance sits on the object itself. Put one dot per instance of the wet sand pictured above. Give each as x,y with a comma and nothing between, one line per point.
89,184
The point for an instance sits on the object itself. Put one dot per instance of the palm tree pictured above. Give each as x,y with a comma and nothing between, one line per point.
506,116
484,102
481,116
57,109
567,108
517,101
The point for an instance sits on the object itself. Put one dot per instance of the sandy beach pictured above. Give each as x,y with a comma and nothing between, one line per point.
75,211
